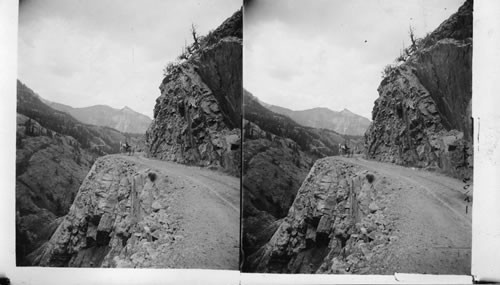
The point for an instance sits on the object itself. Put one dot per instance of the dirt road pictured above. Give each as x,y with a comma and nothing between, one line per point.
206,206
433,227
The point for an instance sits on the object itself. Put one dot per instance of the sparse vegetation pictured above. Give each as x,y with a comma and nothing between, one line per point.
388,70
406,52
196,44
187,51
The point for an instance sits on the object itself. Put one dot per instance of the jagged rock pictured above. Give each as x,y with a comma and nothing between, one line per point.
422,117
101,230
337,238
197,117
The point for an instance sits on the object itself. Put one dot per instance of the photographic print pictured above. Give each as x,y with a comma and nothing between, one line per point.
357,149
128,134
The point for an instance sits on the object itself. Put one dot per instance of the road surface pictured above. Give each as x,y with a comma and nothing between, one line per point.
206,205
433,227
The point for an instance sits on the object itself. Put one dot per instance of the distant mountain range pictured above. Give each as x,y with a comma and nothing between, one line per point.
344,122
124,120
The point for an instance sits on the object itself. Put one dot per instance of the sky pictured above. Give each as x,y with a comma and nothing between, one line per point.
302,54
110,52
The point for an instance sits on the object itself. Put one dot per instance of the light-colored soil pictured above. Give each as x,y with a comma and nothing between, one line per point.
205,205
433,229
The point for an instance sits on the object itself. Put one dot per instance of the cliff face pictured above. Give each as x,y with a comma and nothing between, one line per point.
336,224
116,219
423,115
197,117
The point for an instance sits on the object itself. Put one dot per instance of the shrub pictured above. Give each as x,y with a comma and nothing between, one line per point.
169,68
387,70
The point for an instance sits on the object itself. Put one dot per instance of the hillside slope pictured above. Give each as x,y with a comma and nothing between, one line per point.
49,169
100,140
54,152
423,114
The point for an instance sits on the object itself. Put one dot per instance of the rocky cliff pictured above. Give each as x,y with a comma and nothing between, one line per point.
344,122
336,224
423,114
197,117
118,219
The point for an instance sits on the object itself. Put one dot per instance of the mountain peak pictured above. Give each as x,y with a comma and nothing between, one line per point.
343,122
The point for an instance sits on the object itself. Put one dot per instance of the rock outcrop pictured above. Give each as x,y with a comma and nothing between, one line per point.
336,224
423,115
118,219
197,117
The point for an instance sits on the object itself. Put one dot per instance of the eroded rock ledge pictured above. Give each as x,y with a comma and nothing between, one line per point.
337,224
119,219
